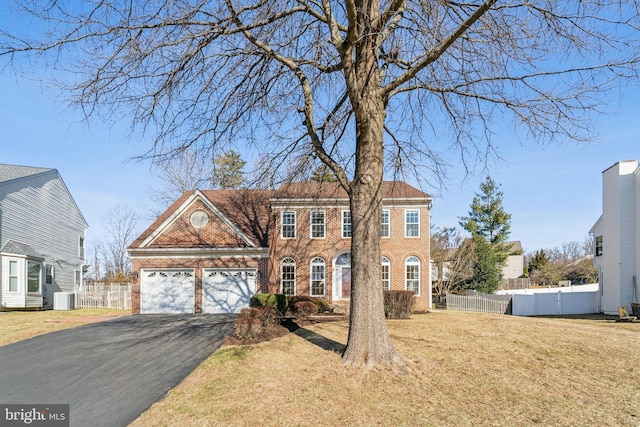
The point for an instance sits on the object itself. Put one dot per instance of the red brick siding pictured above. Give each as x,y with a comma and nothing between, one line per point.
216,233
303,249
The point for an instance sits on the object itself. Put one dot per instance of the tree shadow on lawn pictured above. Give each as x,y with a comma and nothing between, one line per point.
296,327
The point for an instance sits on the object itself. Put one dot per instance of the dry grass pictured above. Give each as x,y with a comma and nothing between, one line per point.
20,325
462,369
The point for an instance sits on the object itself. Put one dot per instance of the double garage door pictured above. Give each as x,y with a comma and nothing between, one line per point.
173,291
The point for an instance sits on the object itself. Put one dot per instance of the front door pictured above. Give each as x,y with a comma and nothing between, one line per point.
342,277
346,282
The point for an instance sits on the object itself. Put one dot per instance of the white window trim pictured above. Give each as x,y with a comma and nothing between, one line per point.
386,261
410,262
342,224
39,291
406,211
388,211
290,262
295,224
324,224
317,261
81,247
53,273
17,276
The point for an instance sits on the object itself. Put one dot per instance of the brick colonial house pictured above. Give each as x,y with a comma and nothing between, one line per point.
212,249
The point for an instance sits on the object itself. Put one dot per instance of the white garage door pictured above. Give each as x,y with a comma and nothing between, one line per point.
227,291
167,291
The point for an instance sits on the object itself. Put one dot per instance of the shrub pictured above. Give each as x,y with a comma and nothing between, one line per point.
303,309
277,301
398,304
322,304
269,316
248,325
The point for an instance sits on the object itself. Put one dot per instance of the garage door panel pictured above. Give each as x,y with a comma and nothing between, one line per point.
228,291
167,292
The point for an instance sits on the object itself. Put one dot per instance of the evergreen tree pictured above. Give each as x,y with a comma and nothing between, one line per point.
489,226
228,171
538,261
323,174
487,268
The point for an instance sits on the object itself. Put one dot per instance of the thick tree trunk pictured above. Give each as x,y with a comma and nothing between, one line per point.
368,343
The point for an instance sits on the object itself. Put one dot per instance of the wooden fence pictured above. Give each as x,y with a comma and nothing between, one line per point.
104,295
480,303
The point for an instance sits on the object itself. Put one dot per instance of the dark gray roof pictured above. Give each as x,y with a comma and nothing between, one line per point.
11,172
17,248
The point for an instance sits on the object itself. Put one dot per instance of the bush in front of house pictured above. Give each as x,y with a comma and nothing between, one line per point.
303,309
277,301
398,304
269,316
322,304
248,325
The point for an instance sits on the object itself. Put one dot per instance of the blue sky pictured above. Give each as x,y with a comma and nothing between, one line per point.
553,194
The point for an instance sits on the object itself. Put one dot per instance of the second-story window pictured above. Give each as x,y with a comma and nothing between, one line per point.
412,223
598,245
81,247
346,224
288,225
385,223
317,225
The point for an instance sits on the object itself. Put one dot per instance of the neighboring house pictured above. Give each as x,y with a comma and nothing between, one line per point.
42,236
617,237
213,249
514,266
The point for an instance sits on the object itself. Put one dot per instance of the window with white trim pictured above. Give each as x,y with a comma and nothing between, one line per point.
288,276
346,224
598,246
385,226
13,276
412,277
386,273
317,224
50,274
33,277
412,223
288,225
317,277
81,247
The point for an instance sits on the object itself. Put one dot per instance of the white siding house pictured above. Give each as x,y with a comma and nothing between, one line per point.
42,235
616,237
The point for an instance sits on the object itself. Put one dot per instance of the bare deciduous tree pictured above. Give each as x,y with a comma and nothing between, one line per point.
453,257
360,85
120,223
186,171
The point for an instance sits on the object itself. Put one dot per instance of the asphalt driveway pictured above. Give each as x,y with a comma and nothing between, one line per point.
109,372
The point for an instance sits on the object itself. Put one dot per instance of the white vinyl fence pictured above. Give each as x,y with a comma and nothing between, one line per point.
479,303
583,299
579,299
104,295
559,303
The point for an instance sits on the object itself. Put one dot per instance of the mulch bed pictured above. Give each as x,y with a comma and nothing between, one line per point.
287,326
